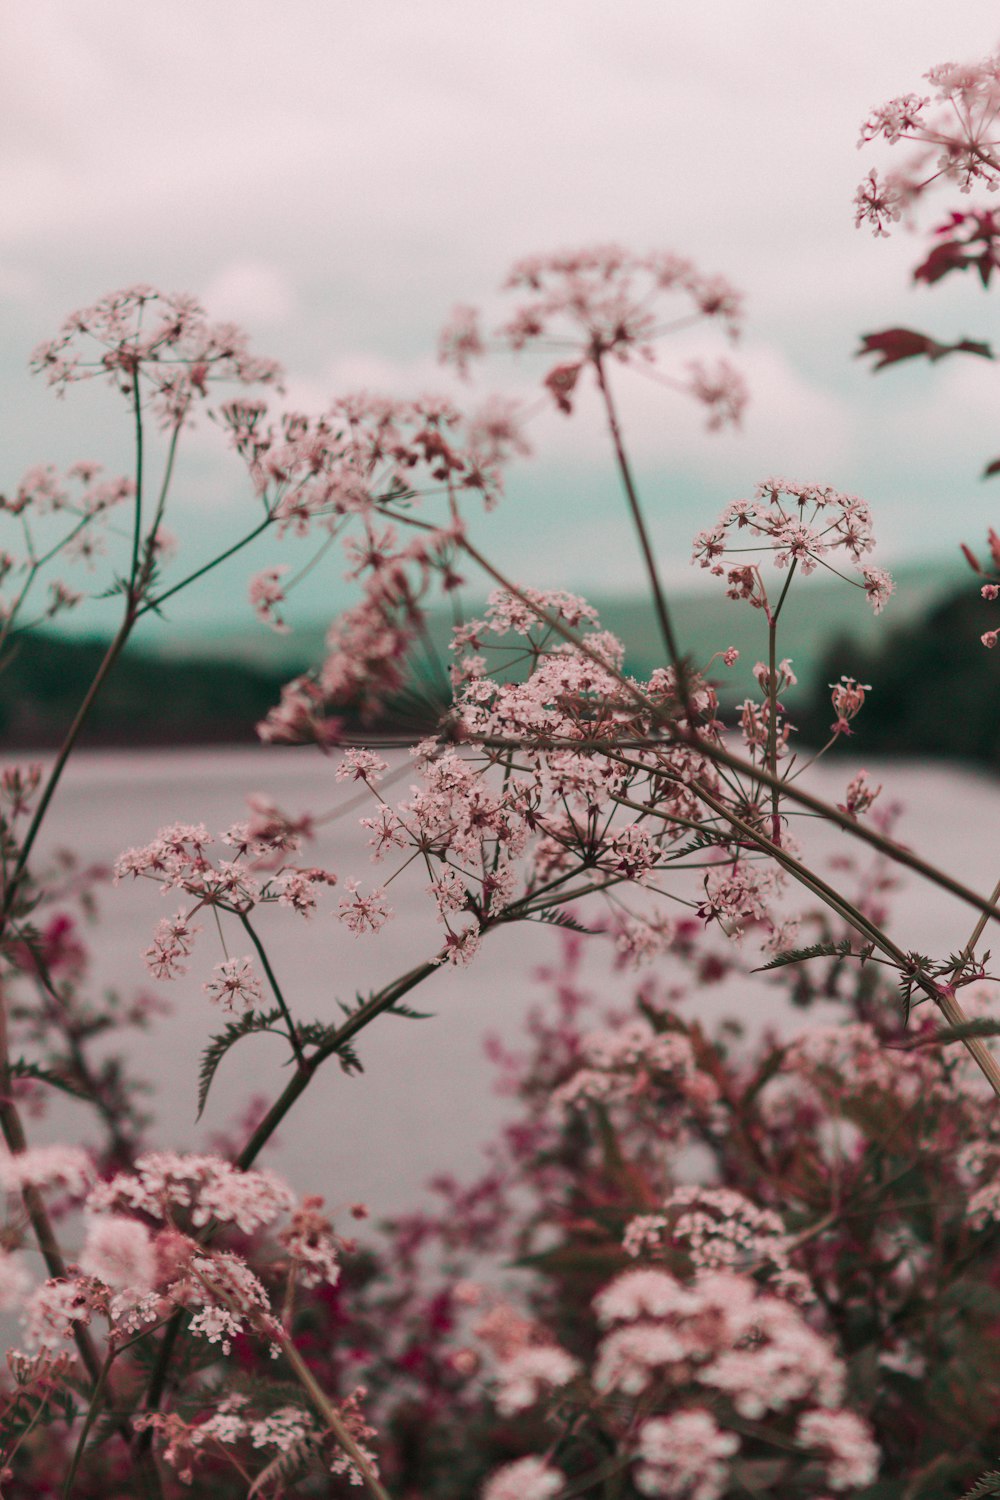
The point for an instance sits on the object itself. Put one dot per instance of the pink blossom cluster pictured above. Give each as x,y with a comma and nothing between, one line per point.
956,134
797,525
389,479
80,503
178,860
144,1254
152,346
605,301
694,1350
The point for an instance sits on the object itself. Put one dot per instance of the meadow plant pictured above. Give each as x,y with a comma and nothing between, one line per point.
702,1260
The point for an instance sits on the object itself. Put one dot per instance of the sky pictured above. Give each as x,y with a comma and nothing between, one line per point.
337,176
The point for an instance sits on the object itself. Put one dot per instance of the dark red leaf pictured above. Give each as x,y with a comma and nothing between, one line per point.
896,344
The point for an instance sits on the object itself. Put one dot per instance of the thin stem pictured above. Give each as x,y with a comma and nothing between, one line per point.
942,996
73,733
649,557
331,1416
205,568
356,1022
772,726
715,751
137,523
976,933
293,1036
96,1402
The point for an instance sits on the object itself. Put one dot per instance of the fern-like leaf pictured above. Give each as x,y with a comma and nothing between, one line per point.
818,950
555,916
22,1068
220,1045
986,1485
964,1031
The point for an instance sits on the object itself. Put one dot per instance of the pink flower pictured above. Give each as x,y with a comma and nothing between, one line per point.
364,913
460,340
234,985
846,1443
723,392
267,594
119,1251
525,1479
685,1454
362,765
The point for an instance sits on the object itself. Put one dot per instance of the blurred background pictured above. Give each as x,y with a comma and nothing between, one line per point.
337,177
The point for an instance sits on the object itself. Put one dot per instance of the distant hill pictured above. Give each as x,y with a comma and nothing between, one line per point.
192,686
818,611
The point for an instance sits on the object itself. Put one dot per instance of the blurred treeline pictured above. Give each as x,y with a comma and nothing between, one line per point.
935,686
146,700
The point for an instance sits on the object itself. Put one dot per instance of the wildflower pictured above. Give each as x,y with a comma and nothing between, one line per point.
66,1167
528,1374
234,985
860,795
267,595
684,1454
955,134
461,340
119,1250
362,765
847,697
846,1443
525,1479
364,913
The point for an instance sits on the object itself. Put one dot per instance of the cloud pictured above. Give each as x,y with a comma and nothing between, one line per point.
250,292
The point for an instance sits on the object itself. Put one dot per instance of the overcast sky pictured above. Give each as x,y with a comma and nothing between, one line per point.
336,175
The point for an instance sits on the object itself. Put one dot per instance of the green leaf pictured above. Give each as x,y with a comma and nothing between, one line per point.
220,1045
22,1068
556,917
842,949
964,1031
291,1461
986,1484
398,1008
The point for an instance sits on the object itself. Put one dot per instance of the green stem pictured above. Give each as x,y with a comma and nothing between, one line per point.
645,544
96,1402
293,1036
331,1417
205,568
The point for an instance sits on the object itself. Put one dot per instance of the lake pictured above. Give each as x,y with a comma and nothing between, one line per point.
424,1103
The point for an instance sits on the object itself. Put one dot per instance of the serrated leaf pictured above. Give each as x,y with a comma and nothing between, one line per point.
841,949
555,916
22,1068
220,1045
964,1031
986,1484
291,1460
398,1008
698,843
